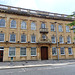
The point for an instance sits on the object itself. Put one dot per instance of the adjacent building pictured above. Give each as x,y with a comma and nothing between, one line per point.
31,35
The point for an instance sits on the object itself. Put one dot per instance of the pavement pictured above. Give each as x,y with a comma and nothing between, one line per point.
28,64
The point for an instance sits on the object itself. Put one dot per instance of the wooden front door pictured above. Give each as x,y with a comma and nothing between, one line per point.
44,53
1,55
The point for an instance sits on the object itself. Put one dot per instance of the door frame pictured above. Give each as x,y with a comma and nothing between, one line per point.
46,54
3,53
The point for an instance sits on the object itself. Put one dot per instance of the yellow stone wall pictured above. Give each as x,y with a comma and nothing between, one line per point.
18,31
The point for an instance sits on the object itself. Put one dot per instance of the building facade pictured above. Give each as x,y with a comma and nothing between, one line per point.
31,35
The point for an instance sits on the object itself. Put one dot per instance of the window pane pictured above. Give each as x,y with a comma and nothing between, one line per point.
61,39
1,37
23,38
44,36
54,52
12,37
12,51
33,51
23,51
62,50
33,26
60,28
52,28
33,38
43,25
13,24
70,50
2,23
23,25
53,39
68,39
67,29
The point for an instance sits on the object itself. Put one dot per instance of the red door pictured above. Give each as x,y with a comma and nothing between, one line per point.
44,53
1,55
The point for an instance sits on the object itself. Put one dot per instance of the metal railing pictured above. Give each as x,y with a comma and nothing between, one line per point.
43,30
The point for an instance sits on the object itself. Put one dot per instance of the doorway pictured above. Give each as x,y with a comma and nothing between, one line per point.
44,53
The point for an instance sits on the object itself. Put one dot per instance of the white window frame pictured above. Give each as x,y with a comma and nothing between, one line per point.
4,37
36,51
69,40
10,24
44,36
26,38
53,28
60,28
62,40
64,51
5,24
25,24
20,51
15,52
67,29
54,39
32,27
52,51
71,51
43,26
15,38
31,39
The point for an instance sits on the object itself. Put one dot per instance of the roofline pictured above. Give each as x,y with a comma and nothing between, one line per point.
36,13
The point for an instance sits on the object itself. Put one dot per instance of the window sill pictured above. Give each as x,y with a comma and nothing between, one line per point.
33,55
70,54
23,42
1,41
23,29
54,55
62,54
23,55
13,28
11,56
12,42
2,27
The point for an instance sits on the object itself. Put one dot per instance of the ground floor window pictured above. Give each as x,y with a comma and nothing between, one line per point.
33,51
70,51
62,51
23,51
54,52
12,51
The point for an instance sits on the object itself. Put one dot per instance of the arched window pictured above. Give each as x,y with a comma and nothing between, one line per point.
60,28
43,25
68,39
67,29
13,24
23,38
23,25
33,26
2,22
12,38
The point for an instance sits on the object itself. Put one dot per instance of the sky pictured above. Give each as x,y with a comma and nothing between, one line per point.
55,6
